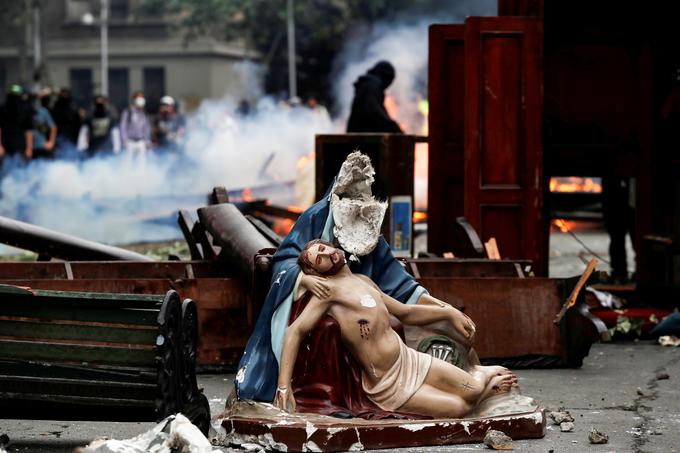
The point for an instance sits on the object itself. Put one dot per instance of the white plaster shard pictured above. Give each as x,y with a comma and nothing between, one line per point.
413,427
356,446
310,429
466,426
368,301
310,446
241,375
268,441
334,431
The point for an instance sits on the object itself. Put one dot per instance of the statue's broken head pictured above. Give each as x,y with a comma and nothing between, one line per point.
357,215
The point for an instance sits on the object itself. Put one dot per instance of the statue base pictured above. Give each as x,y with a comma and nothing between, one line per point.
248,422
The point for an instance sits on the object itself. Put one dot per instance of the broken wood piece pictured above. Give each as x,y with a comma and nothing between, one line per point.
492,249
571,300
219,195
186,225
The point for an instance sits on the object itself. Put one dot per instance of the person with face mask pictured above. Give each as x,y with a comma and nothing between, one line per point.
44,128
135,130
16,125
67,118
98,128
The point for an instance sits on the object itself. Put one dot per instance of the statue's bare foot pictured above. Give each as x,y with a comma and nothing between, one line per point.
497,385
485,373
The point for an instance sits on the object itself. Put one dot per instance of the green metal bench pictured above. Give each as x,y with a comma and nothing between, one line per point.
98,356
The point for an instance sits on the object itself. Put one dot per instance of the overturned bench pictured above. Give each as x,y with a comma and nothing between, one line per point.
98,356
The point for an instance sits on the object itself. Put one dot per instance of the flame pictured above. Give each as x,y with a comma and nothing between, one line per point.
419,216
563,225
293,208
247,194
283,226
575,184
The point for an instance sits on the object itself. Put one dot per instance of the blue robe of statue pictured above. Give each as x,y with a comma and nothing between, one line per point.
259,367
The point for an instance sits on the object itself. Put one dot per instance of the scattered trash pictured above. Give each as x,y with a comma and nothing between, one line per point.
607,300
627,326
656,432
662,376
567,427
560,416
174,434
497,440
669,340
640,392
597,437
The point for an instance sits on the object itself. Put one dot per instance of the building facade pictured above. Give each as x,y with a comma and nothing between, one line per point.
145,53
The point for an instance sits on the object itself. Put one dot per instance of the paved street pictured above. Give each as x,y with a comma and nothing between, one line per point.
602,394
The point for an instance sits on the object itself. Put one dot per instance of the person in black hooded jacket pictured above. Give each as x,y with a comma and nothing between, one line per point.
368,108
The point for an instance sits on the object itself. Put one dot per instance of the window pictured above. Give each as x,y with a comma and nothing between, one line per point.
119,9
119,88
81,87
154,87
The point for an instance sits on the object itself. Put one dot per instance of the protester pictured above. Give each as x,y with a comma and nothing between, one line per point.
368,107
67,118
44,128
169,126
98,133
16,125
135,130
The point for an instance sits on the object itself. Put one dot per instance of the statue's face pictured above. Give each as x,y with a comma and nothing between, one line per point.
325,258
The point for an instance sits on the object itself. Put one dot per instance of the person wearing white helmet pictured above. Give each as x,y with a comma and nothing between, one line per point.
168,129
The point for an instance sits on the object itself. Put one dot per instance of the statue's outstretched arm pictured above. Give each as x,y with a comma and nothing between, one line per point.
304,323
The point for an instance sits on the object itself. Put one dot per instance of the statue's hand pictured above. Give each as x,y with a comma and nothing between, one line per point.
463,325
317,285
284,398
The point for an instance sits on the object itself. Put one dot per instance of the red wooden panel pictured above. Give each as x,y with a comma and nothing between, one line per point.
446,95
503,141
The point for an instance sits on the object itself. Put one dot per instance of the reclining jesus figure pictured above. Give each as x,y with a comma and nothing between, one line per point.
394,376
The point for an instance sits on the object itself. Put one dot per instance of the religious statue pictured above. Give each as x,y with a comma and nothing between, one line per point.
350,217
394,376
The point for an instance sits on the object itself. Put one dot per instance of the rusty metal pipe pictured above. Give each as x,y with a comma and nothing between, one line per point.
232,231
59,245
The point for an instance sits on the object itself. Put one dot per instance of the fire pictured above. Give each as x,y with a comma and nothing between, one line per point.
563,225
575,184
294,208
419,216
283,226
247,194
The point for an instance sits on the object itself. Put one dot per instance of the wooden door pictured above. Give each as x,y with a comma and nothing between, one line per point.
446,89
503,196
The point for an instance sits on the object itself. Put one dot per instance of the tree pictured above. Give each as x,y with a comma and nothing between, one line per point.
321,26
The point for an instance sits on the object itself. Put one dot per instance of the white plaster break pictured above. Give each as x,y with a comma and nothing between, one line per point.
368,301
357,215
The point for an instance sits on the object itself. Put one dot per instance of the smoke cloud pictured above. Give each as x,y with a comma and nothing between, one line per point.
115,199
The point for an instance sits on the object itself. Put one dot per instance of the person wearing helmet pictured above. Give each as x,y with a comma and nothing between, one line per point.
168,129
16,125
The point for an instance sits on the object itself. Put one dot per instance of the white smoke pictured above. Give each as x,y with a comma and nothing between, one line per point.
116,199
402,42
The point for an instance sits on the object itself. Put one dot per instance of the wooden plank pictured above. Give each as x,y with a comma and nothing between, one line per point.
492,249
186,224
54,352
57,331
46,385
19,308
575,292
